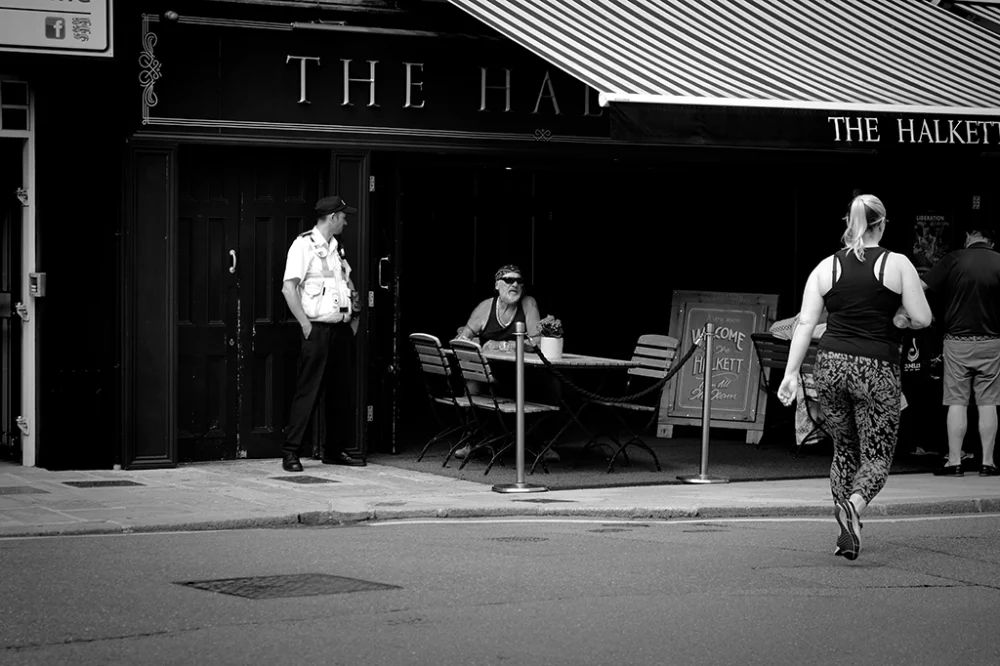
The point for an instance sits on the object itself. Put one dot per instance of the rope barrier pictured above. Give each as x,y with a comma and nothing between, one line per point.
660,383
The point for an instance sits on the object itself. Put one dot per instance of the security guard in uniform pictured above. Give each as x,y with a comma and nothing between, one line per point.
319,292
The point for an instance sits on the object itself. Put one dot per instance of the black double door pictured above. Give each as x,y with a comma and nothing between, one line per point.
239,210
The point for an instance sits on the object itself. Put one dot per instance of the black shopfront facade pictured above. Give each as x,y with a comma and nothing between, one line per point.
462,151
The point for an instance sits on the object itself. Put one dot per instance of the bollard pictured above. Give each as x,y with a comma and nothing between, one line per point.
706,415
519,486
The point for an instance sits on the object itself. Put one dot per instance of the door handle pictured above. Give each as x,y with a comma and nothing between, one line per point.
232,255
380,262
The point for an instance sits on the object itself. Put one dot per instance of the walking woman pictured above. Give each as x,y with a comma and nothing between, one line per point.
858,364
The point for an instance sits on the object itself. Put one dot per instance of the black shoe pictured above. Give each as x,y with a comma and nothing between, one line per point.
291,463
344,458
949,470
989,470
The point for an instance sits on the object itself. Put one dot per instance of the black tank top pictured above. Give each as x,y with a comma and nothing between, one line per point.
861,309
494,331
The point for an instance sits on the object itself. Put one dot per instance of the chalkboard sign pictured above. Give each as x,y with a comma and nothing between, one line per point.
736,400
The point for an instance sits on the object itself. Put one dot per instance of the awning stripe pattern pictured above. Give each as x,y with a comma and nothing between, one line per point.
877,55
991,12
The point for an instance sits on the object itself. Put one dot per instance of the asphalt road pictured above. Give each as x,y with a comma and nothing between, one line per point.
756,591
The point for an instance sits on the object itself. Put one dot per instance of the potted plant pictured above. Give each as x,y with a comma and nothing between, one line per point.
551,344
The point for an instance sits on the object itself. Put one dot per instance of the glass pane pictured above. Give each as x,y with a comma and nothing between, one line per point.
14,119
13,93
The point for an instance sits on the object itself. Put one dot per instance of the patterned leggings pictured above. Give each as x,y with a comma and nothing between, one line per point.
860,400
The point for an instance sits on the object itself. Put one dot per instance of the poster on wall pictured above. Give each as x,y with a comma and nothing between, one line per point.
931,239
735,379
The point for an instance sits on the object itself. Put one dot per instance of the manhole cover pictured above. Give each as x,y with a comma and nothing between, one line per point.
292,585
100,484
542,500
520,539
20,490
303,479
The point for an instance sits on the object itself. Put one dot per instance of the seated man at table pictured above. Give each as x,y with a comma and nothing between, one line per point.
492,322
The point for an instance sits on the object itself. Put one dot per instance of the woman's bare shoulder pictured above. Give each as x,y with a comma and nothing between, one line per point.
898,258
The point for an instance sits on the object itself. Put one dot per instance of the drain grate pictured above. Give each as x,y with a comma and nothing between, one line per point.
21,490
520,539
100,484
601,530
543,500
304,479
291,585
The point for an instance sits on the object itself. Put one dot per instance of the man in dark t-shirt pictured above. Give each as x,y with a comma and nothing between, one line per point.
967,283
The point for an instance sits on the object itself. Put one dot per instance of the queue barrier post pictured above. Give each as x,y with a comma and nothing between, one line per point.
519,486
706,414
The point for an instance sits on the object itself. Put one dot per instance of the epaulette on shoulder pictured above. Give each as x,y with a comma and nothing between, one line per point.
305,233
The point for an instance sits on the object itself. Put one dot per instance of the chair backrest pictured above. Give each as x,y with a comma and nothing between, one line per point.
471,361
654,354
772,353
431,354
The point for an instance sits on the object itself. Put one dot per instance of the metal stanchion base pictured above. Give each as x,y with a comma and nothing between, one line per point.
518,488
702,478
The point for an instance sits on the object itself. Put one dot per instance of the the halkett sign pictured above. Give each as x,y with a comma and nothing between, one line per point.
414,95
407,89
916,130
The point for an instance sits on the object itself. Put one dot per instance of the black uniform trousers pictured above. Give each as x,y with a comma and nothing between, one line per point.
322,389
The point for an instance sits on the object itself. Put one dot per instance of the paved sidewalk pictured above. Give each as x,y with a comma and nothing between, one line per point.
257,493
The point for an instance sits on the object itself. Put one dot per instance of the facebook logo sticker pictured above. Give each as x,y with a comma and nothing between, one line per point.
55,27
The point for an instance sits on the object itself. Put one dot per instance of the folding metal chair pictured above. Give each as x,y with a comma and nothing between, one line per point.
476,372
439,378
654,355
772,355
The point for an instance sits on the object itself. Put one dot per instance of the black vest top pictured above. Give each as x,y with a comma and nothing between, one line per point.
494,331
861,309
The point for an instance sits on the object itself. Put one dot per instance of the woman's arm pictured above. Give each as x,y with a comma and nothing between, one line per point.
914,300
812,307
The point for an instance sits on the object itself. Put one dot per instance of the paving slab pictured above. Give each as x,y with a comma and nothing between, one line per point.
257,493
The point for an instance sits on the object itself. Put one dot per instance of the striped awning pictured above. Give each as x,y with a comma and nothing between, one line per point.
986,14
845,55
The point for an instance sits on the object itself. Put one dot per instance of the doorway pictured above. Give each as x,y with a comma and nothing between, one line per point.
238,211
11,179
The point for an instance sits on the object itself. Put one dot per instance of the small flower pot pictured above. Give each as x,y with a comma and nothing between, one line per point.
551,348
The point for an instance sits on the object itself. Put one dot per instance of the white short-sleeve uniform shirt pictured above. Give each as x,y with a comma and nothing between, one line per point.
323,274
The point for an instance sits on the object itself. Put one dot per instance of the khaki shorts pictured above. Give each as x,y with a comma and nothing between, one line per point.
971,366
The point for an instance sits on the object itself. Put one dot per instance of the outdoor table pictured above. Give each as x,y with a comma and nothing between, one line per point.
567,362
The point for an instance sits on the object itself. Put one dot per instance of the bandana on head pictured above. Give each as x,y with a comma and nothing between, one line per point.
509,268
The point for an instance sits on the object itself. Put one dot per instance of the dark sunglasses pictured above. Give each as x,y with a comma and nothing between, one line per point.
513,280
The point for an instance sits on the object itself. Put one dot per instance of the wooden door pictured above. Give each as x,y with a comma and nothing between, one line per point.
240,209
280,189
207,305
